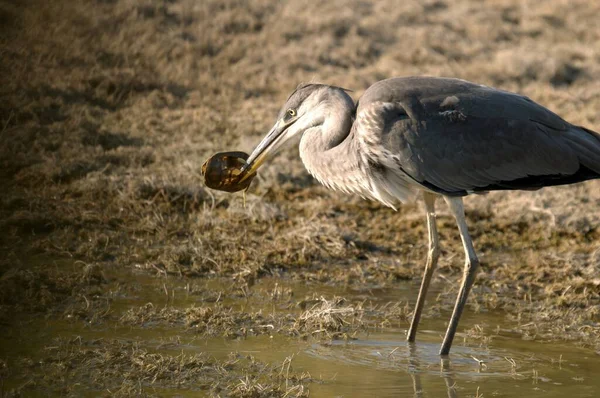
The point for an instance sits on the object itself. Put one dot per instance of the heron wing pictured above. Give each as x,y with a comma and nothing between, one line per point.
456,137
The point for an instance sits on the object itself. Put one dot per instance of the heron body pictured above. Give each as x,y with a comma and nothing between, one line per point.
423,137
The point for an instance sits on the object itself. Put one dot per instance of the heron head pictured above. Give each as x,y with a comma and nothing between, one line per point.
307,107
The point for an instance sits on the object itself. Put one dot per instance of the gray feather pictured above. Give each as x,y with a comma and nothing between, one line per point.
457,136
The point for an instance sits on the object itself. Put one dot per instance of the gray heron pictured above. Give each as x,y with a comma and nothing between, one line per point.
416,138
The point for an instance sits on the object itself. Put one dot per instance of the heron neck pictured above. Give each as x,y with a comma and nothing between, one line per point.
327,151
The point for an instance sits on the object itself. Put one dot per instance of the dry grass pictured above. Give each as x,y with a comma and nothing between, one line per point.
124,369
320,319
109,109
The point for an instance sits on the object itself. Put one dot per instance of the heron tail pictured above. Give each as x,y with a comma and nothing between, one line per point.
582,141
587,144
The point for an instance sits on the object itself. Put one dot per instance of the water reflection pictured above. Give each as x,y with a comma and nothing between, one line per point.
391,367
379,364
447,375
415,372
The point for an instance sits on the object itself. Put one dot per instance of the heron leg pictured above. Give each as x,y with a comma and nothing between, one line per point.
471,264
432,258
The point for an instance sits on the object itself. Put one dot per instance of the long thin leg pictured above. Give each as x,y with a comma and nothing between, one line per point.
471,264
432,258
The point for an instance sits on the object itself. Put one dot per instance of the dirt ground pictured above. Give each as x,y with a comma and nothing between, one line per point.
109,108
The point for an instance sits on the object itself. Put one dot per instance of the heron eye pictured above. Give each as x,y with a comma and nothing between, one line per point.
290,113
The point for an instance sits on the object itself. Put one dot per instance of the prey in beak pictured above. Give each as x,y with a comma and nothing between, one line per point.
279,134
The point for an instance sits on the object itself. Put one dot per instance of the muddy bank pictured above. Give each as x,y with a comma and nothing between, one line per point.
110,108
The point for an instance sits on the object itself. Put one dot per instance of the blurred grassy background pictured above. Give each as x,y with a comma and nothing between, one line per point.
109,108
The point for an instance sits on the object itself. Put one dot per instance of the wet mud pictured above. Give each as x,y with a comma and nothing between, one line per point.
122,274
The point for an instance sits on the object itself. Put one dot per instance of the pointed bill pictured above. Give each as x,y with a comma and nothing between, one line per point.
269,146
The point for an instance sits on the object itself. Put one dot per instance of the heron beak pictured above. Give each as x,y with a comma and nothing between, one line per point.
273,141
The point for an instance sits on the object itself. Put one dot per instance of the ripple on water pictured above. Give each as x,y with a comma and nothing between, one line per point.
510,367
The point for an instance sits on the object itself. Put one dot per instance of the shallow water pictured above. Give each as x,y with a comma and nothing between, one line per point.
378,364
385,366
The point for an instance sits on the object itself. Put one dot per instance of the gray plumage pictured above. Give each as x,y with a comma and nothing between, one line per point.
447,135
425,137
459,137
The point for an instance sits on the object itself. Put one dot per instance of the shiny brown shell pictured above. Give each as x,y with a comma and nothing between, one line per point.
223,171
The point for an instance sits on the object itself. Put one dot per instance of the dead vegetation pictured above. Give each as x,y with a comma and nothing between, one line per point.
314,318
109,109
125,368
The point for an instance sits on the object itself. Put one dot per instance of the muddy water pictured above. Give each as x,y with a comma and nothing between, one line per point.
378,363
